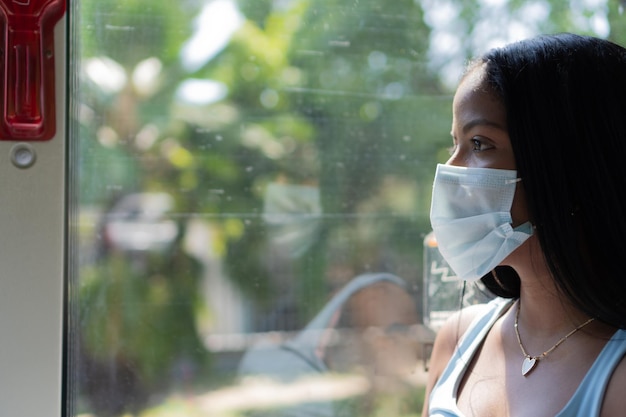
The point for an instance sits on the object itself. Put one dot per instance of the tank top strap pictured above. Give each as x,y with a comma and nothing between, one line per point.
443,399
474,336
587,400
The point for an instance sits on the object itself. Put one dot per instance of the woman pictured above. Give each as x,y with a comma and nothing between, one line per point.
532,200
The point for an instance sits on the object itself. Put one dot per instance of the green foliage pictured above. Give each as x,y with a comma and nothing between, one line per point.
257,11
131,30
142,311
617,21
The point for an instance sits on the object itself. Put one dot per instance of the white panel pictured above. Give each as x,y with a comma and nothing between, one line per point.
32,230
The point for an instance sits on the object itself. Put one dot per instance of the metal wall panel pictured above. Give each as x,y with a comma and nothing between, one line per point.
33,233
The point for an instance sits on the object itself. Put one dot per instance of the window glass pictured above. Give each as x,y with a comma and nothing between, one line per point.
254,183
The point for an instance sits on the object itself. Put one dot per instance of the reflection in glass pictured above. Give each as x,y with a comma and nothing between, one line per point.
368,330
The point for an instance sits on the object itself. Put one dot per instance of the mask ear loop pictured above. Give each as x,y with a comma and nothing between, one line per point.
507,182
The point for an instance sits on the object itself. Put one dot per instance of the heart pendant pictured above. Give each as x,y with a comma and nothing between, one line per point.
528,365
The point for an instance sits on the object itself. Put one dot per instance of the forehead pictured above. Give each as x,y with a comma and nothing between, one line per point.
475,101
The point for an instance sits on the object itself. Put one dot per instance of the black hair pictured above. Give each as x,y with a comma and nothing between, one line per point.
565,99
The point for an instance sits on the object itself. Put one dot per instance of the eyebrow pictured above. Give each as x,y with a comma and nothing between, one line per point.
481,122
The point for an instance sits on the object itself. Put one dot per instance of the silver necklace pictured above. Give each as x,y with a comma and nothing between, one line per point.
530,362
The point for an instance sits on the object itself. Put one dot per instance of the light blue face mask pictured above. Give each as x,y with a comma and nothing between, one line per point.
471,217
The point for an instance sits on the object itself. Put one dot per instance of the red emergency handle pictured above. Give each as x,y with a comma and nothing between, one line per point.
27,42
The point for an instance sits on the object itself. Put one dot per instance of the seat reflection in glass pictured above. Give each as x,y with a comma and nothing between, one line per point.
368,328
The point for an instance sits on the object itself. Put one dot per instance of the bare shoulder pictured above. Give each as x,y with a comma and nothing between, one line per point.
456,325
614,402
446,341
449,335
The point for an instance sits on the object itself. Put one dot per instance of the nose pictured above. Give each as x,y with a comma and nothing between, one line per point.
456,158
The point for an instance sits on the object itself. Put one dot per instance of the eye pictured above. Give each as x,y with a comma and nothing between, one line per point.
480,144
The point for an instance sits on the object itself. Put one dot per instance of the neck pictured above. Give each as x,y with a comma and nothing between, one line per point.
544,307
547,311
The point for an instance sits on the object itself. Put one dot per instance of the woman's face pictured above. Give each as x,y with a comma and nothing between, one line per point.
479,130
480,135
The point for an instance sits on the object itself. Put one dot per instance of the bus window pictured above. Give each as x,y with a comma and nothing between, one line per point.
253,183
